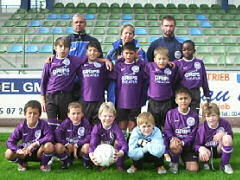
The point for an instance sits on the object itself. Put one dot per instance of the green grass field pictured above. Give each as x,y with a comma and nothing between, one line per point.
8,170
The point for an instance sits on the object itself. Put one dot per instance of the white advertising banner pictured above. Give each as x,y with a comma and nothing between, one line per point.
16,90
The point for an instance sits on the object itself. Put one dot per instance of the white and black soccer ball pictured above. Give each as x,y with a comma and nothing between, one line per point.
104,154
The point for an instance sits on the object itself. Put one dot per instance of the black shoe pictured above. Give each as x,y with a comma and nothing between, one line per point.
66,165
87,164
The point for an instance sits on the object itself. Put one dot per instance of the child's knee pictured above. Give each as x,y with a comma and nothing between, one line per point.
227,140
48,148
10,155
85,148
192,166
59,148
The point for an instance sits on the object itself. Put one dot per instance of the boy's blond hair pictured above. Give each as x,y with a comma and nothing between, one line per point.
162,51
75,105
145,118
107,106
209,108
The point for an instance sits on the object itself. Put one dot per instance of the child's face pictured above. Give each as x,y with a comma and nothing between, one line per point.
188,50
32,115
107,118
183,101
161,60
129,55
212,119
75,115
127,35
146,129
92,53
61,50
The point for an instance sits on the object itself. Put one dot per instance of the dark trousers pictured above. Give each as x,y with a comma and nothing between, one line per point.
148,158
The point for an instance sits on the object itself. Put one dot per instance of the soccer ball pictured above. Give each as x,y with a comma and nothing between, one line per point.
104,154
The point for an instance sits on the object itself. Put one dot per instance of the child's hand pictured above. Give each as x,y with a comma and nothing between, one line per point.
117,154
218,137
93,159
176,145
49,59
109,65
75,151
142,142
43,103
204,154
22,152
172,64
30,148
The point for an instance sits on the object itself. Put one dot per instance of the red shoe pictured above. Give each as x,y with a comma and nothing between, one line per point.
22,166
45,168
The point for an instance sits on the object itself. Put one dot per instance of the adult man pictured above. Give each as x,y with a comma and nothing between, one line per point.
79,39
168,40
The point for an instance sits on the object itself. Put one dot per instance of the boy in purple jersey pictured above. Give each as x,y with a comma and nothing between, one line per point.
162,80
129,76
146,144
214,138
93,76
73,137
36,139
57,82
180,130
108,132
192,74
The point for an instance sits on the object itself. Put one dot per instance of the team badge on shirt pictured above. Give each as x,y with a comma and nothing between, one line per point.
135,69
37,134
81,131
97,65
190,121
66,61
167,71
111,135
178,54
220,129
197,65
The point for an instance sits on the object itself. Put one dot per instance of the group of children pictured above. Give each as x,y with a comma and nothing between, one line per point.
165,129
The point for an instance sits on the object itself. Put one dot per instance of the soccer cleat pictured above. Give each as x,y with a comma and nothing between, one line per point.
161,170
131,170
174,168
45,168
167,157
54,158
227,169
22,167
66,165
87,164
206,166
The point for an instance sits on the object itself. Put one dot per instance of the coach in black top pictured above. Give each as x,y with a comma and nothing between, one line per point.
168,40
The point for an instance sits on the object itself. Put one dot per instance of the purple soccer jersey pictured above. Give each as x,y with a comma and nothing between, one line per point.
205,134
193,75
182,126
92,76
79,134
59,75
107,136
161,81
130,83
41,133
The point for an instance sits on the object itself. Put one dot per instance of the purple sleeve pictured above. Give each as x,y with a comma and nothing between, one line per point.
205,86
168,130
189,140
199,139
14,138
95,139
87,134
121,141
45,77
47,134
60,133
113,74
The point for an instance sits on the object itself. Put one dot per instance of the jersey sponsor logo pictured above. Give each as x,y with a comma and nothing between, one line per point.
192,75
91,72
25,134
37,134
61,71
81,131
129,79
190,121
183,132
211,143
161,79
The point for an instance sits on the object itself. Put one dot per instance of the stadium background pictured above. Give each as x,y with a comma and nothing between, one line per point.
27,36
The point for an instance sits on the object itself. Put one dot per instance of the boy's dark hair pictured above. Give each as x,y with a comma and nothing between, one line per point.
190,42
33,104
94,44
183,90
63,40
129,46
169,18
